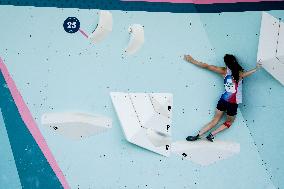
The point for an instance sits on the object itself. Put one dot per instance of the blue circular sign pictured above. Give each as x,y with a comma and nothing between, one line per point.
71,25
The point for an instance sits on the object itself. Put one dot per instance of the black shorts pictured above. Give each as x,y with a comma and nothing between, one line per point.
230,108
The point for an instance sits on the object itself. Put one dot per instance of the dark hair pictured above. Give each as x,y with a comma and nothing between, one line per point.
232,63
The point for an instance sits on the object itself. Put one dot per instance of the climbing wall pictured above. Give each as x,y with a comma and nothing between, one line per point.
9,177
56,71
35,163
262,97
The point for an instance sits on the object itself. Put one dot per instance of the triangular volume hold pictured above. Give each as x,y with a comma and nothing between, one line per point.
142,121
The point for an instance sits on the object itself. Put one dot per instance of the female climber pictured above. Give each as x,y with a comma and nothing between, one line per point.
233,75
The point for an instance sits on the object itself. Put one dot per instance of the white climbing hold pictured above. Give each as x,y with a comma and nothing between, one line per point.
136,40
145,123
76,125
280,45
204,152
271,45
103,28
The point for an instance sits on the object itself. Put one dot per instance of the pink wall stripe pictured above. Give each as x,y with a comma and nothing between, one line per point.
31,125
203,1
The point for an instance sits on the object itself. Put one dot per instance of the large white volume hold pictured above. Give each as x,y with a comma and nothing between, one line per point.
275,68
268,37
136,39
205,152
103,28
145,119
280,45
270,47
76,125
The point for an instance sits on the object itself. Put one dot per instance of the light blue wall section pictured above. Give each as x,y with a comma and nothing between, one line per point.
56,71
9,177
263,95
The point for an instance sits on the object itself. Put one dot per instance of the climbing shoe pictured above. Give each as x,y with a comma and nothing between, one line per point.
192,138
210,137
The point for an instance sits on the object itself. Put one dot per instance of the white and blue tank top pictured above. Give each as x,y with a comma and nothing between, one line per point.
233,90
